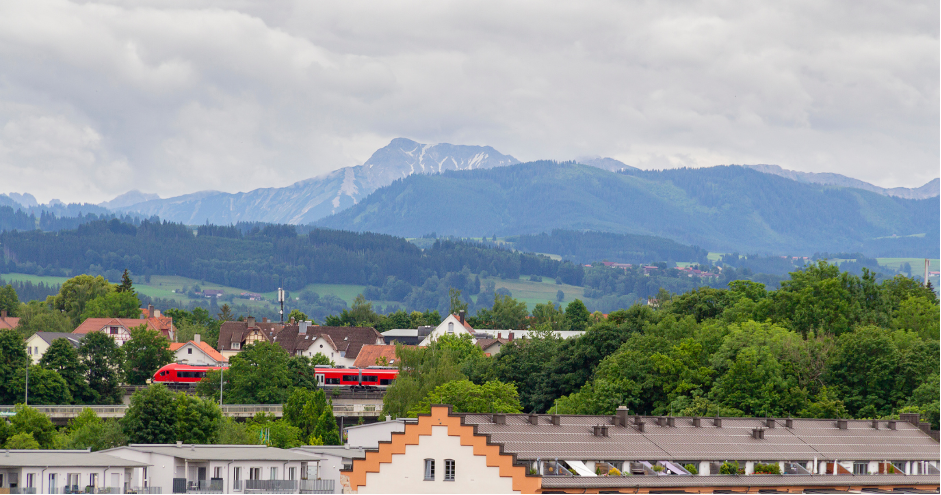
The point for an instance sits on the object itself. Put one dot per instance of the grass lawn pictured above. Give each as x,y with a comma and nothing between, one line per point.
533,293
918,264
35,279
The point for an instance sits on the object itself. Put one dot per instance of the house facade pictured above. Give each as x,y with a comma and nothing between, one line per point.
38,343
197,353
8,322
452,325
235,335
118,329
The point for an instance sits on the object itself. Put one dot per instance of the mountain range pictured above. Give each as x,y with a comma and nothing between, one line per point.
309,200
929,190
725,208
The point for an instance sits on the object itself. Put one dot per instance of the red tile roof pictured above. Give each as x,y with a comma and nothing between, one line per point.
212,353
96,324
370,354
9,322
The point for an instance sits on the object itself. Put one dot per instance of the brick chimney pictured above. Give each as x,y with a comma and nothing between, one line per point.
460,315
251,321
196,338
3,313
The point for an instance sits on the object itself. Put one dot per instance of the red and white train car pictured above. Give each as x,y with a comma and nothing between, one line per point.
327,377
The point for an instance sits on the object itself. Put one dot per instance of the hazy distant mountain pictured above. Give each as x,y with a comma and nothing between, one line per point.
929,190
604,163
312,199
727,208
129,198
25,199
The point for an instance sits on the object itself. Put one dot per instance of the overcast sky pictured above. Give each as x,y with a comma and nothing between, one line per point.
172,97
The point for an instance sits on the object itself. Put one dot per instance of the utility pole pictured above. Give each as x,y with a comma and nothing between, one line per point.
221,381
926,271
281,300
27,382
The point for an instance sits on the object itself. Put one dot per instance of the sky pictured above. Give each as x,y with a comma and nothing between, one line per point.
177,96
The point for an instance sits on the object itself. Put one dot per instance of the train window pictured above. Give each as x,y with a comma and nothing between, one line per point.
351,378
333,381
202,374
386,381
162,373
370,378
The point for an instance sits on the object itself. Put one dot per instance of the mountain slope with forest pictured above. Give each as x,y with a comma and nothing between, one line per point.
726,208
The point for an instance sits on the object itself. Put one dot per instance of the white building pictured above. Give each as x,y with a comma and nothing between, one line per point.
452,325
226,468
334,458
197,353
52,471
369,435
38,343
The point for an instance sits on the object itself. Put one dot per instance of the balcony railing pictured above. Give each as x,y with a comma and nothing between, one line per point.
270,486
317,486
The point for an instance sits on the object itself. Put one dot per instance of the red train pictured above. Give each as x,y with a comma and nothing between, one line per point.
327,377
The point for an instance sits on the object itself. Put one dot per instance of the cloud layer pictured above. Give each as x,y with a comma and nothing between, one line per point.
173,97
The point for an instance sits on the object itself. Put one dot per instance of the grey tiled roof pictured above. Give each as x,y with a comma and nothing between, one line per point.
216,452
806,440
559,482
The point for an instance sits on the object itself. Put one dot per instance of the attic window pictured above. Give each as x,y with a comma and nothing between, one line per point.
235,345
450,328
189,351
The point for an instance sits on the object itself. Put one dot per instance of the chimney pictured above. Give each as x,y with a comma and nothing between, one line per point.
3,313
717,422
620,416
924,426
196,338
640,426
150,311
909,417
499,335
499,418
875,424
671,421
758,433
179,444
697,422
461,315
600,430
770,423
534,419
892,425
789,423
661,421
556,420
510,336
251,321
842,424
302,327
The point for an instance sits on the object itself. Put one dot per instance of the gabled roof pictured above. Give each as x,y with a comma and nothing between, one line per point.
485,343
344,339
8,322
63,458
96,324
203,346
73,339
236,331
370,354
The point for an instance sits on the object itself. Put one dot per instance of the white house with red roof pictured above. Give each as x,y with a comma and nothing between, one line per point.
197,353
118,329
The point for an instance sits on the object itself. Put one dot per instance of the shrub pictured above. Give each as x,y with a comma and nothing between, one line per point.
729,468
614,472
691,468
771,468
657,469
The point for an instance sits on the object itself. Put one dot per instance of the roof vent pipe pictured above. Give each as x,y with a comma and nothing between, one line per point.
770,423
717,422
875,424
789,423
671,421
640,426
697,422
661,421
534,419
891,425
841,424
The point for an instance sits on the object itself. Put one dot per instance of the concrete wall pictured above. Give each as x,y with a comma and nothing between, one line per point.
406,473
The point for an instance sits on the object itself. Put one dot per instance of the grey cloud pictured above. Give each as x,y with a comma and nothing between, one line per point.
98,98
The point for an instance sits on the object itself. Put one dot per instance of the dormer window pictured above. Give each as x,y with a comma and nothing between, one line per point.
235,345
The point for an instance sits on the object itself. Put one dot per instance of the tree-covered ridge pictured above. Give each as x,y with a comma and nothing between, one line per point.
726,208
591,246
262,259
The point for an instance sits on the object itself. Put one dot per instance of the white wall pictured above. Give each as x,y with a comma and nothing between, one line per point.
36,346
41,477
370,435
450,323
406,472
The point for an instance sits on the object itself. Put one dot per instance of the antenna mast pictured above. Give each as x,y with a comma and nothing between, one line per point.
281,300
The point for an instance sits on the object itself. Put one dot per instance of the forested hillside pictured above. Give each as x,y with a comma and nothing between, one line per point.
727,208
588,247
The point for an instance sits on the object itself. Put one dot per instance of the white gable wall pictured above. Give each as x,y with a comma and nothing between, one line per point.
406,472
450,326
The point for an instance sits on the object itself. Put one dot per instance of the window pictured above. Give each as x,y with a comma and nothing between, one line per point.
114,330
450,328
333,381
52,483
93,479
429,469
386,381
370,378
351,378
274,473
235,345
292,473
449,470
189,351
217,472
29,350
254,473
29,479
861,467
236,478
